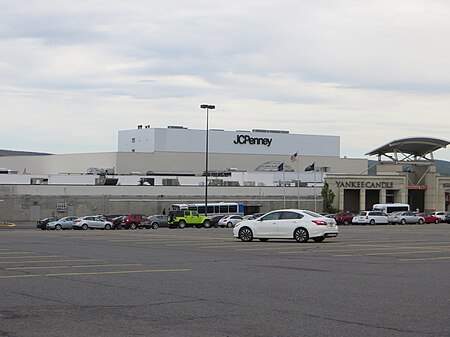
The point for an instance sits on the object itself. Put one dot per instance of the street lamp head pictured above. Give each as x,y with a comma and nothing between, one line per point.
207,106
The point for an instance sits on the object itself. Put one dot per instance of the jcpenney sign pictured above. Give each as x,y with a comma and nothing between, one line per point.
246,139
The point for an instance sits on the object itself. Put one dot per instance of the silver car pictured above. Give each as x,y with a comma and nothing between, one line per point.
405,217
230,220
92,221
63,223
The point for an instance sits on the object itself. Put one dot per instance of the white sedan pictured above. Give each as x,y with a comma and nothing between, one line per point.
92,221
300,225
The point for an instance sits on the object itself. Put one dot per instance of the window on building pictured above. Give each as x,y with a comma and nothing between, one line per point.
133,140
133,150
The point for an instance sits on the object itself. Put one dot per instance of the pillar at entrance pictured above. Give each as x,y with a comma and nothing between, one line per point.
383,196
362,199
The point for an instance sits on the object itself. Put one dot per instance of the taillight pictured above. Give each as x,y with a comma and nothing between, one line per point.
319,222
76,220
366,217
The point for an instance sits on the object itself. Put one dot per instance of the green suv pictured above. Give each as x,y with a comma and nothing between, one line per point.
185,218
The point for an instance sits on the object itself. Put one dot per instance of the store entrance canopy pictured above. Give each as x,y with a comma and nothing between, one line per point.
410,149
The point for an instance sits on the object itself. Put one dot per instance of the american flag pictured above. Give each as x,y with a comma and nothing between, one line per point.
294,157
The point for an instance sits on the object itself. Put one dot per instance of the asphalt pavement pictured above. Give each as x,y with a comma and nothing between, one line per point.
369,281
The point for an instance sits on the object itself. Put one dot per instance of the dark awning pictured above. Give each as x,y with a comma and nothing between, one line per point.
418,147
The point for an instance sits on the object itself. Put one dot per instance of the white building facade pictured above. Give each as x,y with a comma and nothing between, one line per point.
255,142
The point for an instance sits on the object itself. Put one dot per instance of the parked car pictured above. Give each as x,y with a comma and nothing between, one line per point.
300,225
110,217
215,220
133,221
156,221
405,217
63,223
92,221
429,218
343,218
42,224
183,218
253,216
230,220
371,218
447,218
117,221
439,214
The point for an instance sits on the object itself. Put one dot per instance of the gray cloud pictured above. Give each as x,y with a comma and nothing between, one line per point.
296,65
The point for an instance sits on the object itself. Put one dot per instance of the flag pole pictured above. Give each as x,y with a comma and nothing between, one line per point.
298,183
315,194
284,189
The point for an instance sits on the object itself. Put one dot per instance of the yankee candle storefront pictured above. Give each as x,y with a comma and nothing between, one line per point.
408,176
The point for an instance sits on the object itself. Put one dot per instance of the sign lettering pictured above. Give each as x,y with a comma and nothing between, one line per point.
246,139
365,184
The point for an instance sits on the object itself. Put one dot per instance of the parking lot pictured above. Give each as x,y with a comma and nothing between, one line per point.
369,281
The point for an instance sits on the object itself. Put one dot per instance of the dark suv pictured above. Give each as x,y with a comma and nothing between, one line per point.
42,224
133,221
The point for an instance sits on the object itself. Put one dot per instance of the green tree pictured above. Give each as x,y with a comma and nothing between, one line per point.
328,198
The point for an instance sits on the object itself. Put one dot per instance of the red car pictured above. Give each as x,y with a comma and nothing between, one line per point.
133,221
430,218
343,218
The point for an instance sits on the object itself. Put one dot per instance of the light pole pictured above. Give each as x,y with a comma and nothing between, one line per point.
207,107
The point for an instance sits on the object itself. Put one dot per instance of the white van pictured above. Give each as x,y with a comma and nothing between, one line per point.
390,208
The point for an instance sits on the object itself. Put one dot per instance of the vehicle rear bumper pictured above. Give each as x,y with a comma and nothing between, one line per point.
331,234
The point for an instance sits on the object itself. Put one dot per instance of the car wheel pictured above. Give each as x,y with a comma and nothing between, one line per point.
319,239
84,227
229,225
420,221
403,221
133,226
301,235
346,222
155,225
107,226
207,224
263,240
58,227
246,234
372,222
181,224
436,221
119,226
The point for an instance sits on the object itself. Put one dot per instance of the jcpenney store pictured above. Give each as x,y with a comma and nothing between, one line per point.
410,179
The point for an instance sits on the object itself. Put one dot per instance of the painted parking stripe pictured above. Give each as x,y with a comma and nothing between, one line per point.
46,261
395,253
9,253
76,266
428,259
31,257
99,273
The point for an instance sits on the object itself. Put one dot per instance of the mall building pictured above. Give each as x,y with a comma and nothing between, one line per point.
242,165
177,150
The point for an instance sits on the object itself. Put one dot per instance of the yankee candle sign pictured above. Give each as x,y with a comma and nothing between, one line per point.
365,184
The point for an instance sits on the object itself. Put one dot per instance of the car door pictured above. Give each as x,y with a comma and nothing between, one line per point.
266,226
98,222
287,224
66,223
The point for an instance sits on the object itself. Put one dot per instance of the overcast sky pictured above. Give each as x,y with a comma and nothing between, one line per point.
73,73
